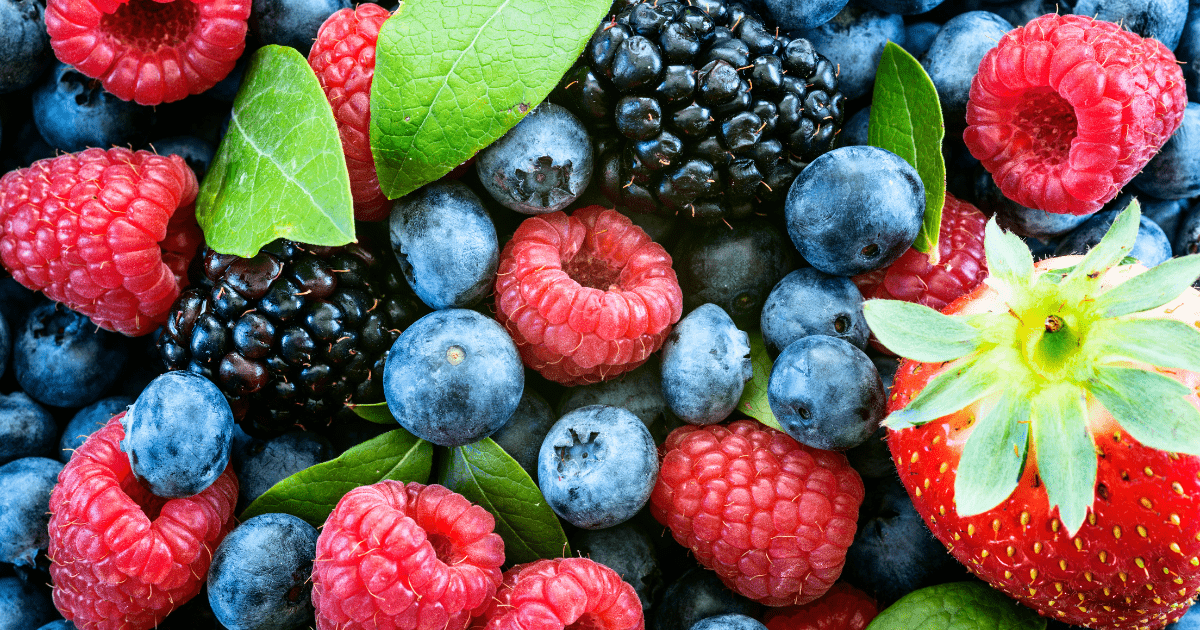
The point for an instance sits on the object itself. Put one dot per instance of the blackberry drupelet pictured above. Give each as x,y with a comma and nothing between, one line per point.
701,108
293,334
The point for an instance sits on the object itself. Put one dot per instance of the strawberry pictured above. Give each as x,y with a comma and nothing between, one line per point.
1046,427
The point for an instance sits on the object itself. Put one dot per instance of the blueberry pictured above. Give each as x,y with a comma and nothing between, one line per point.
196,152
74,112
855,209
698,594
856,131
15,302
1189,621
266,463
24,605
801,15
24,45
62,359
5,345
854,40
25,508
1174,172
259,576
60,624
903,7
26,429
1188,54
1187,236
446,244
918,37
731,621
1161,19
521,437
810,302
87,420
954,55
826,393
542,164
597,466
453,377
1036,223
638,391
1168,214
705,364
177,434
291,22
872,459
628,550
1150,248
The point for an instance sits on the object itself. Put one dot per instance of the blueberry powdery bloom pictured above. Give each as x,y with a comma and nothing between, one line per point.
541,165
705,364
24,508
259,576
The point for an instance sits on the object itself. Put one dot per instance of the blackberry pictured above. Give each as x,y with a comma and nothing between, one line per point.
701,108
293,334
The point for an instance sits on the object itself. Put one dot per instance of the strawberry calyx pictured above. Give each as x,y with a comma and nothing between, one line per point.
1061,338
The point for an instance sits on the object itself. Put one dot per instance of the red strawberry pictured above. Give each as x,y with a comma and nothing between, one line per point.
1037,444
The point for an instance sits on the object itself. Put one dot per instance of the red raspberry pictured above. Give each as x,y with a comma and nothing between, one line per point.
122,558
1065,110
585,297
562,593
343,57
842,608
108,233
771,516
405,556
149,51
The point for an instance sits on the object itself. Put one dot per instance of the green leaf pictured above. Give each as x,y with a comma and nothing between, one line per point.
946,393
1066,456
1111,249
754,395
906,119
374,412
917,332
1152,407
994,456
280,170
957,606
1162,342
312,493
1150,289
483,473
1008,257
451,78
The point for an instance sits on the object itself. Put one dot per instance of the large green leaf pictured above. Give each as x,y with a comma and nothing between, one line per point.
280,171
374,412
754,402
957,606
452,77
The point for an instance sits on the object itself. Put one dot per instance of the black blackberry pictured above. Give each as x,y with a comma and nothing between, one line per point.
701,108
293,334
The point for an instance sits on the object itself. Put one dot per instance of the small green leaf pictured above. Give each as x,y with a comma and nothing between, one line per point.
451,78
1008,257
1111,249
994,456
1150,289
754,395
277,176
957,606
312,493
1162,342
946,393
917,332
1150,406
906,119
486,475
1066,456
374,412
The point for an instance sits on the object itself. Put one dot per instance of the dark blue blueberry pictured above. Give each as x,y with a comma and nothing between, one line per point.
265,463
178,434
628,550
259,576
918,37
446,244
698,594
5,345
826,393
541,165
856,131
872,459
903,7
26,429
1174,172
705,365
24,605
853,40
1189,621
1150,248
1035,223
74,112
453,377
732,621
25,508
62,359
1161,19
954,55
521,437
15,302
810,302
226,89
1187,235
87,420
801,15
24,45
893,552
597,466
855,209
1168,214
291,22
638,391
60,624
1188,54
196,152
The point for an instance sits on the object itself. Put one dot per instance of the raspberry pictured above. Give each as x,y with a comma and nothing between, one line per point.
343,57
407,556
1065,110
961,265
149,51
771,516
122,558
560,593
585,297
842,608
108,233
